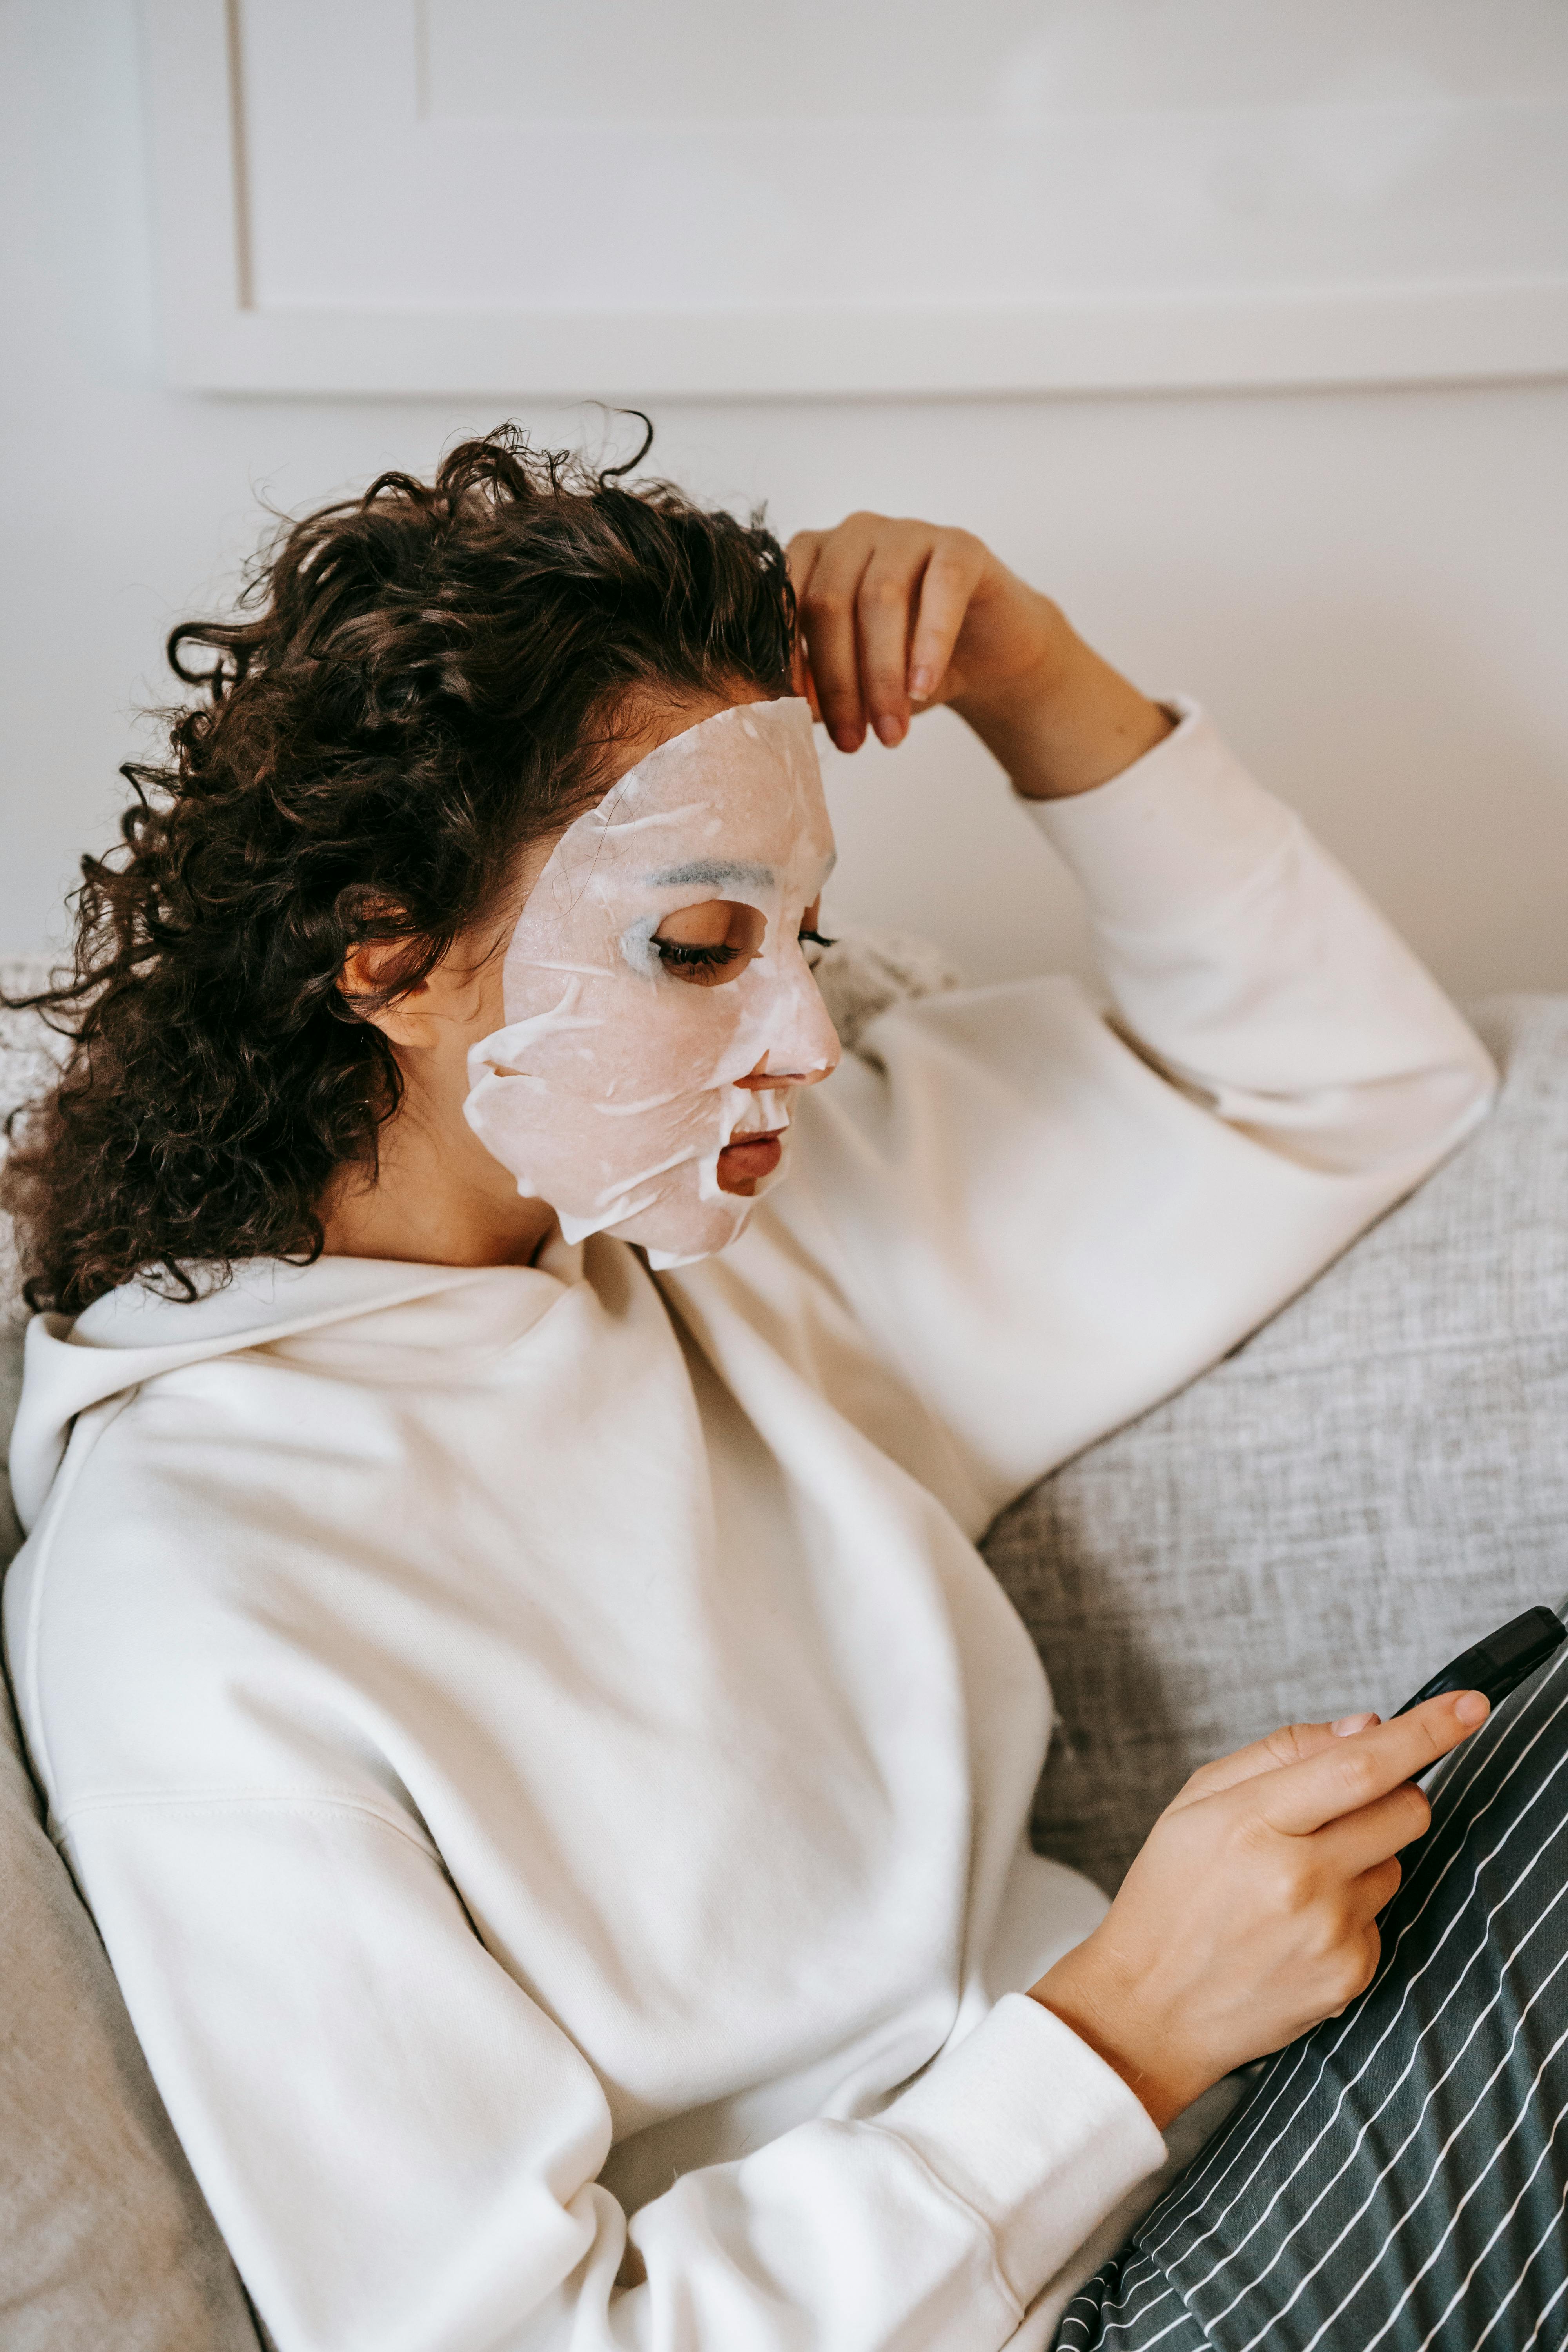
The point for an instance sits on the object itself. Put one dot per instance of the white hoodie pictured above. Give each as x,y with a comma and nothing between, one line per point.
547,1761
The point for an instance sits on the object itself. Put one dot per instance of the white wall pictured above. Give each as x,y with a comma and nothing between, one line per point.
1368,589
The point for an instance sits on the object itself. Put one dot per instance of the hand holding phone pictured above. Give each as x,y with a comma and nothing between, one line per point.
1252,1910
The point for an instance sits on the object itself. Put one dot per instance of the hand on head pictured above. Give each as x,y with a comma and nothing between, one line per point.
897,616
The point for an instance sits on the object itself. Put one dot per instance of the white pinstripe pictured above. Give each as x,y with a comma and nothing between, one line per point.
1464,2284
1476,2024
1115,2325
1555,2297
1271,2112
1199,2176
1551,2230
1219,2169
1148,2343
1409,2213
1126,2278
1355,2146
1157,2247
1122,2292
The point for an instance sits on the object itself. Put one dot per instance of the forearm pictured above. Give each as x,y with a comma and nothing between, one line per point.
1067,724
1257,976
1250,969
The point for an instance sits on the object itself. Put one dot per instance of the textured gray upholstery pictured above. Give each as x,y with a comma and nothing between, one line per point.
105,2241
1374,1480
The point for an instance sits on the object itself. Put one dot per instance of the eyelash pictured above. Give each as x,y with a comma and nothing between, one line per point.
700,959
671,952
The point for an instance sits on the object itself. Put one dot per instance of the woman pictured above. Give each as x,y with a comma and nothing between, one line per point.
500,1630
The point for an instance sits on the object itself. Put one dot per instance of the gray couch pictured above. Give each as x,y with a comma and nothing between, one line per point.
1372,1481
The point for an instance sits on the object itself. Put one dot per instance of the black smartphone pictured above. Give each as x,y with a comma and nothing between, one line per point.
1501,1661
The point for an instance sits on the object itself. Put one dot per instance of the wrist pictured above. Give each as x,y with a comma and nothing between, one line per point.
1085,1991
1069,723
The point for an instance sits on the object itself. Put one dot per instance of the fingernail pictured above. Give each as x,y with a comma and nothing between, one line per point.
920,684
889,729
1472,1706
1349,1723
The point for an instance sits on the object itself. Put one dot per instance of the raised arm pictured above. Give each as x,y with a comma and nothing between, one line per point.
898,617
1048,1212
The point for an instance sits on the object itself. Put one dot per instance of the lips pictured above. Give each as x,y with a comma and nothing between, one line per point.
744,1164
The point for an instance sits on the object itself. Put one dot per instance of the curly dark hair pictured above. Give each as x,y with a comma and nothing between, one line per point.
421,682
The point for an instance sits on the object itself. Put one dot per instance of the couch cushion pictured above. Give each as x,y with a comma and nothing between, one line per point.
1371,1483
104,2237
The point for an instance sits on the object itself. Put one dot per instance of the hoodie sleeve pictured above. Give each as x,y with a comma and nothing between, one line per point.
401,2148
1048,1212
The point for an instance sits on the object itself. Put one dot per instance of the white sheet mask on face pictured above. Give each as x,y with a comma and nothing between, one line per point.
610,1090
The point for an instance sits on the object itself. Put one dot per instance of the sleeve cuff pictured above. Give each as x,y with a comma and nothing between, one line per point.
1180,832
1037,2135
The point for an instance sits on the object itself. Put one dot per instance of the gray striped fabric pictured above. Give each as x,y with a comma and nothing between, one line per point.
1398,2178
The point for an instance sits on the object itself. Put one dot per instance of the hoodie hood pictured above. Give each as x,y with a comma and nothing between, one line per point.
133,1335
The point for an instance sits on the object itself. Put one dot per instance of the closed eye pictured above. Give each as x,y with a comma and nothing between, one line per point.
676,957
709,943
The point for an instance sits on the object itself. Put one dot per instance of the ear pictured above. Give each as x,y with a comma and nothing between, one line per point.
456,996
404,1020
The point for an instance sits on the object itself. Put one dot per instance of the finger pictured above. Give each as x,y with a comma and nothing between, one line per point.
1292,1744
1359,1965
947,585
1377,1888
1356,1771
1289,1744
801,679
800,556
1367,1839
827,623
800,561
884,608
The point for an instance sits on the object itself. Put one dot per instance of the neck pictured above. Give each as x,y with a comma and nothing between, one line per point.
436,1197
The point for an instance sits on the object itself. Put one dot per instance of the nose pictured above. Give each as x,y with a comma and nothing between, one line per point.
761,1079
804,1048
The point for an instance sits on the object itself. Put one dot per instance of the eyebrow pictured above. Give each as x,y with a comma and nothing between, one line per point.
711,872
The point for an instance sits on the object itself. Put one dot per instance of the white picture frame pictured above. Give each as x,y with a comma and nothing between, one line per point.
221,335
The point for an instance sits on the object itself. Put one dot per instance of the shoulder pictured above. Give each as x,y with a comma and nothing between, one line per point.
168,1623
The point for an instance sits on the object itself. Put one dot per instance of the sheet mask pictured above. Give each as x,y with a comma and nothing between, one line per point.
610,1090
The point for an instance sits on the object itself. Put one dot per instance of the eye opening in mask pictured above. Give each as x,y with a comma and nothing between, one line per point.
709,943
